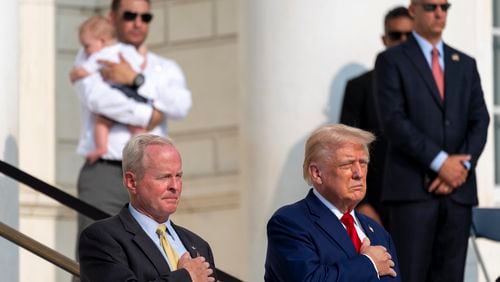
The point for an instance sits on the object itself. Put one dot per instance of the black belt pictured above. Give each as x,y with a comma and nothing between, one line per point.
110,162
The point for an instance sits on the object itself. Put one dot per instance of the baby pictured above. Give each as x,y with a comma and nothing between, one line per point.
98,39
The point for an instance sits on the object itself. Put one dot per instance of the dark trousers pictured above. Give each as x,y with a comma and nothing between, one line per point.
431,239
100,184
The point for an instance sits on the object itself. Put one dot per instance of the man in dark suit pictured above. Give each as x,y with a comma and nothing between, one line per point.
141,243
358,110
322,238
435,119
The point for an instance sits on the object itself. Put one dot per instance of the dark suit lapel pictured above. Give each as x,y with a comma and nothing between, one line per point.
143,242
327,221
415,55
368,229
451,75
188,244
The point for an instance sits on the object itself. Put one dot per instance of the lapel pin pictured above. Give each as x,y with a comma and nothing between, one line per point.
371,229
455,57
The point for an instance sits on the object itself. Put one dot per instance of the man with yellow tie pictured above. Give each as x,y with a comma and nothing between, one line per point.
141,243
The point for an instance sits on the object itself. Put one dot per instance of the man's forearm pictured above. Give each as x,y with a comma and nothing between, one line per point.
100,98
156,118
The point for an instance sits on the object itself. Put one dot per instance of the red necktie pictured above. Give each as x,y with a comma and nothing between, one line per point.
348,221
437,72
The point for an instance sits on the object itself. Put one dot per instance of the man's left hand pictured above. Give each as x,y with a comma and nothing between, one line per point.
453,171
119,73
438,186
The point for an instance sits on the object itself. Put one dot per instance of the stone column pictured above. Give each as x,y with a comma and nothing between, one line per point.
286,83
38,213
9,191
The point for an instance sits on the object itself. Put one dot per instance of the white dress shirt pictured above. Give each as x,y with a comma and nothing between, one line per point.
164,85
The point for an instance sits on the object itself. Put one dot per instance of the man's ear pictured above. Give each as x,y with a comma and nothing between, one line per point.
315,174
384,40
130,182
411,10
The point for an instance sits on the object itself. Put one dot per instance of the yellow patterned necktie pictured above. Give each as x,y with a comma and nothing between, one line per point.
167,248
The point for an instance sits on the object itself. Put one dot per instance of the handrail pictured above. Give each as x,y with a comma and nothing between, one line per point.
39,249
71,201
52,192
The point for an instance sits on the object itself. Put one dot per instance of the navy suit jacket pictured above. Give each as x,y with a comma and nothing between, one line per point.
418,124
307,242
118,249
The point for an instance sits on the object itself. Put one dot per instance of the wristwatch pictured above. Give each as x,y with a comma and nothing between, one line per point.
138,81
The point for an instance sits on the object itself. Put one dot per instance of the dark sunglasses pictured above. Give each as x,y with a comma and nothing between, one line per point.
131,16
433,7
396,35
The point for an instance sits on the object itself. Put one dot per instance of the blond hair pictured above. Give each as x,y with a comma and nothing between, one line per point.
99,27
328,138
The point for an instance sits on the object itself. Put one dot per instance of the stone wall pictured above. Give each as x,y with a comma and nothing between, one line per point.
201,35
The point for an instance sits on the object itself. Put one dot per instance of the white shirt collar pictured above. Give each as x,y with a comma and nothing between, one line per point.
333,208
426,48
148,224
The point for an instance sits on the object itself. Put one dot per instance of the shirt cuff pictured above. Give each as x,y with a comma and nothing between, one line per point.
467,165
438,161
374,266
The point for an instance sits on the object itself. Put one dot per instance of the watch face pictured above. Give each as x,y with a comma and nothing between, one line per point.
139,80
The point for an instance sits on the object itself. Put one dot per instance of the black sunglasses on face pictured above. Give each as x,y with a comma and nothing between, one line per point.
131,16
433,7
396,35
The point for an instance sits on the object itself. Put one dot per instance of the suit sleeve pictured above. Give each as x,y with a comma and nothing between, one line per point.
292,256
478,119
103,259
352,106
390,98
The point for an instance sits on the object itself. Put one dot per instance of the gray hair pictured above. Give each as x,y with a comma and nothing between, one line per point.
328,138
133,153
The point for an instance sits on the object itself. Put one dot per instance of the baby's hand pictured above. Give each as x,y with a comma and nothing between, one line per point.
77,73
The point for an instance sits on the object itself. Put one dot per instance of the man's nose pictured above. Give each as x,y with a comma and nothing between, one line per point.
175,184
138,21
357,171
439,12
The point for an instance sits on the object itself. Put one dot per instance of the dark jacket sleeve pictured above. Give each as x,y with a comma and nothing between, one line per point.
478,118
